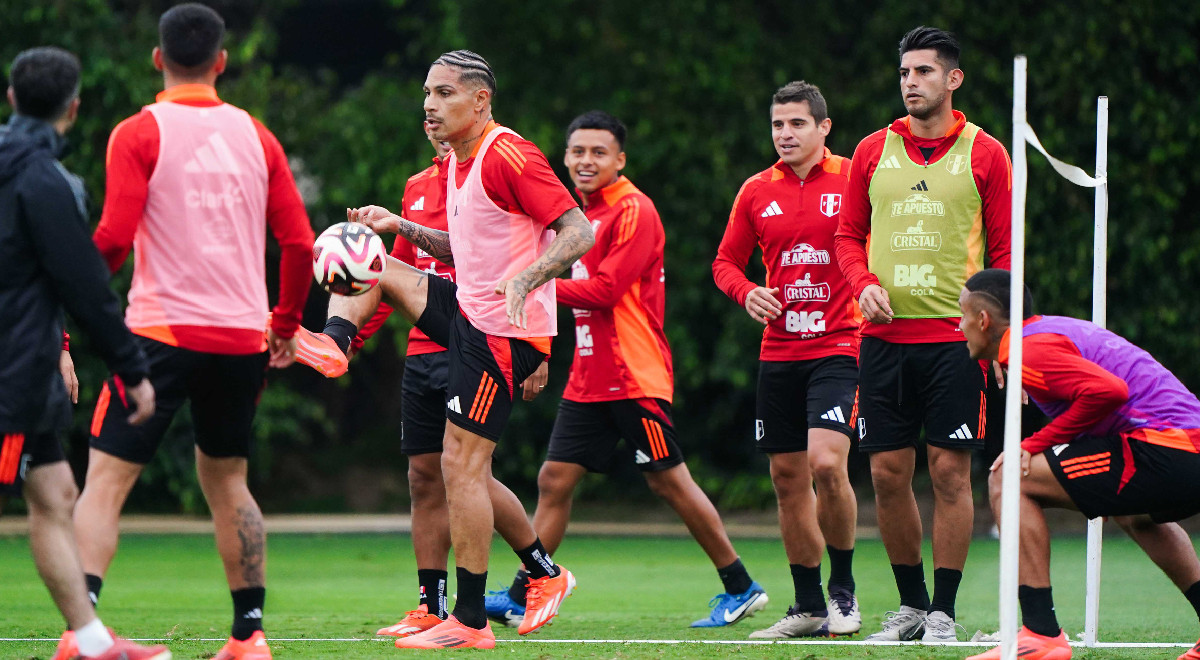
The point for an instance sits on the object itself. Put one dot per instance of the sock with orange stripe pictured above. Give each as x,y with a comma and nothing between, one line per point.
1037,610
341,330
469,608
537,561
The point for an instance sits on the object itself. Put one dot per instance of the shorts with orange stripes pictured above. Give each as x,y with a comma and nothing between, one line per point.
1115,476
799,395
21,451
484,370
587,434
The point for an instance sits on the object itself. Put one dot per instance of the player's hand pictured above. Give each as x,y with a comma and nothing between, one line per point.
536,382
379,219
1026,457
283,351
1001,372
142,397
66,367
762,305
875,304
514,293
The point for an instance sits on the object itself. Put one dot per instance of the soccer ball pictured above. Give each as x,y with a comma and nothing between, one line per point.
348,259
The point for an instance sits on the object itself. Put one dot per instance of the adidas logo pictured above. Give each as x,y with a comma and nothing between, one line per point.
772,209
214,157
834,415
454,405
892,163
255,613
921,187
640,457
963,433
419,205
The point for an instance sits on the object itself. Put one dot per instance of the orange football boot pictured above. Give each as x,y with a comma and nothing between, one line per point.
1032,646
123,649
543,597
320,352
1192,653
414,621
450,634
254,648
67,648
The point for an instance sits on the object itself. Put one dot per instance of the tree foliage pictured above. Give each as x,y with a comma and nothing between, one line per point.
340,84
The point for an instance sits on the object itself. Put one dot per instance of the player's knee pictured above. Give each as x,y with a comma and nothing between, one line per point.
950,485
554,483
425,479
828,469
668,484
889,479
53,500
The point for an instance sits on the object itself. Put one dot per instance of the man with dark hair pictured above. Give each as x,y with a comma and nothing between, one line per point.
513,228
194,184
47,264
808,371
1123,441
932,193
621,381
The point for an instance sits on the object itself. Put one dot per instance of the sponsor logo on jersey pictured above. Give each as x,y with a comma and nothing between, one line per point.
916,238
772,209
803,290
918,204
418,205
804,253
920,275
831,203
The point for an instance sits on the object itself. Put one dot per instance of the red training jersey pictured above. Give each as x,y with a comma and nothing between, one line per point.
424,203
618,296
992,172
133,151
792,220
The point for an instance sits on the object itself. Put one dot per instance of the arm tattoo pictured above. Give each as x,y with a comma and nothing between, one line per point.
574,239
435,243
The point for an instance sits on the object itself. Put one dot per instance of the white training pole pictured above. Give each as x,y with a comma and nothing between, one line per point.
1010,508
1095,533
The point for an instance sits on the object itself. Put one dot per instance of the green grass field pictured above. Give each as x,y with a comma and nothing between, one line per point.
346,586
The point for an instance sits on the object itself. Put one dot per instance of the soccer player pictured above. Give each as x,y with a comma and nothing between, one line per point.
932,192
49,265
512,227
621,380
808,357
1123,441
193,186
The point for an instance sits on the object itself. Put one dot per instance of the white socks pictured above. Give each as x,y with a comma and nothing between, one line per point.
93,639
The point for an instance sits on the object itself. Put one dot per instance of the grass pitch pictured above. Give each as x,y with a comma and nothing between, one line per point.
344,587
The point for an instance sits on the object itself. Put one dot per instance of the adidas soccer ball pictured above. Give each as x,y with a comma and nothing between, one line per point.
348,259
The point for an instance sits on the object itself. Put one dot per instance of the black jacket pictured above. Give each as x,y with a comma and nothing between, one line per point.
47,263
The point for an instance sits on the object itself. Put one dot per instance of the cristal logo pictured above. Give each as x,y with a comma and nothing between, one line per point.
804,253
916,238
805,291
206,199
918,204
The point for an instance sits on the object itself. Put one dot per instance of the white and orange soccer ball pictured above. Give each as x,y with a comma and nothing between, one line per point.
348,259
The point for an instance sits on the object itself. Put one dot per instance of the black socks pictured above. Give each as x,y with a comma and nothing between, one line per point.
735,578
247,611
910,581
945,590
807,582
342,331
841,573
537,561
94,582
433,590
517,590
1037,610
469,609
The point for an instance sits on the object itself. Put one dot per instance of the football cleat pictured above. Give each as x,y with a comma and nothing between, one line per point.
794,624
730,608
123,649
501,608
67,648
320,352
450,634
1192,653
414,621
1032,646
844,618
902,626
543,596
939,627
254,648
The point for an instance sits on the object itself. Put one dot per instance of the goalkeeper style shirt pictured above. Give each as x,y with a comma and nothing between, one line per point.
980,172
193,184
792,220
1093,382
424,203
617,293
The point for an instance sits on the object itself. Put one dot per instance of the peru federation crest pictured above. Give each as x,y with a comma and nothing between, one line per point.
831,203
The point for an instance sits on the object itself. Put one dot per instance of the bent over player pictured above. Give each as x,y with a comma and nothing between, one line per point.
1123,441
193,186
808,371
512,227
621,381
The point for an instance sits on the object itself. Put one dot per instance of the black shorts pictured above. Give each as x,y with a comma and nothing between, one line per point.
483,368
21,451
423,406
902,387
1112,476
223,391
587,433
826,386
